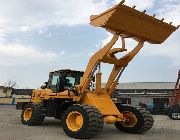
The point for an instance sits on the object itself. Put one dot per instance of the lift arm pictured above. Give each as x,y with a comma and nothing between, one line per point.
107,55
93,64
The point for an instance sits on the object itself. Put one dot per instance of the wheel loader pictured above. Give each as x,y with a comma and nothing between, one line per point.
69,96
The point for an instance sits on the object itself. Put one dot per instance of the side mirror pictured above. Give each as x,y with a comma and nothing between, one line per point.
45,85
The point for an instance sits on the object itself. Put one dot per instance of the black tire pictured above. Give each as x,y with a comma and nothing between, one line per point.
37,116
172,116
144,119
92,122
174,111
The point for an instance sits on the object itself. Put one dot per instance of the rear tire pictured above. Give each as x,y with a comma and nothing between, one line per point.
32,114
143,119
90,125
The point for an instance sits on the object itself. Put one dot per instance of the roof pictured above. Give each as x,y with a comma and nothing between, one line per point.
147,85
3,87
22,91
66,70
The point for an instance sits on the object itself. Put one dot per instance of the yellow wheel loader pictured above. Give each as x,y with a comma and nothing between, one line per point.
68,94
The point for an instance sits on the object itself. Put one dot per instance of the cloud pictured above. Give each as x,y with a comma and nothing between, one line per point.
25,28
17,54
169,49
20,15
141,4
26,16
170,10
2,35
62,52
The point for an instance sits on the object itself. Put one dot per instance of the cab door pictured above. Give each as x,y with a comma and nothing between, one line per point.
54,82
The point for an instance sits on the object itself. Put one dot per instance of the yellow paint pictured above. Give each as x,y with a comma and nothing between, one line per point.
74,121
46,94
131,119
98,81
102,102
27,114
110,119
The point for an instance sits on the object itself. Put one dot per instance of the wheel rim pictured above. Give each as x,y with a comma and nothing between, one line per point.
27,114
74,121
131,119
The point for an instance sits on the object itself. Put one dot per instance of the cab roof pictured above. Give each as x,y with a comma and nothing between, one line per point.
67,71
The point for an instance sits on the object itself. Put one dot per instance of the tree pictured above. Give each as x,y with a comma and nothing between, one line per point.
11,84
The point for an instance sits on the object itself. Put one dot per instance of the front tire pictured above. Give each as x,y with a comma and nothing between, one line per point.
32,114
139,120
82,121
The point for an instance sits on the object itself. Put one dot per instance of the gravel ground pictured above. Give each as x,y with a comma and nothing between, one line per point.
12,129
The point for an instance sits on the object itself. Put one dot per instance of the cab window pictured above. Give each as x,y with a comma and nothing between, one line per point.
71,81
55,79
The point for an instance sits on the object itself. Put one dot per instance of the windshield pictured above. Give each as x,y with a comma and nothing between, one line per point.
70,81
59,81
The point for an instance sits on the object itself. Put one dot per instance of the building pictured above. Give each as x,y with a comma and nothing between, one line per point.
153,95
5,95
12,96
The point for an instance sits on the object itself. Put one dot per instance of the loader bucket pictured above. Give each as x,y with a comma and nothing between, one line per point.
133,23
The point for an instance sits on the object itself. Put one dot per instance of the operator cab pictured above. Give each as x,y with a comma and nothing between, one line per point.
60,80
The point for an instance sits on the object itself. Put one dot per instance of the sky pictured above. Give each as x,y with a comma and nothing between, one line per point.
37,37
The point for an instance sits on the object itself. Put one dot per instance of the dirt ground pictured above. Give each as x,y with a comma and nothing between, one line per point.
12,129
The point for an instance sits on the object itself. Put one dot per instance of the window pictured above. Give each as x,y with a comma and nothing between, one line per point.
71,81
125,100
55,79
